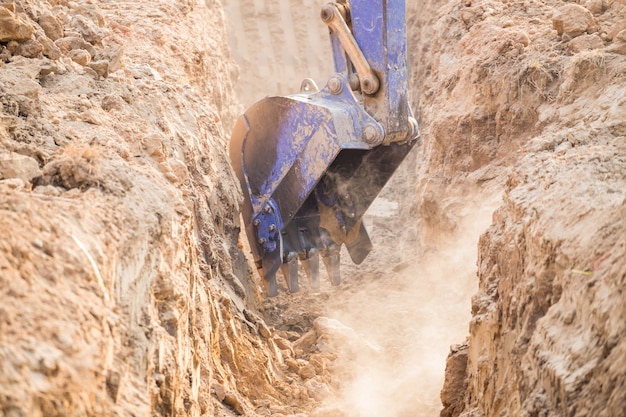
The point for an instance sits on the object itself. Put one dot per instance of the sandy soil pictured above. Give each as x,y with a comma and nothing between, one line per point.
411,297
124,289
488,78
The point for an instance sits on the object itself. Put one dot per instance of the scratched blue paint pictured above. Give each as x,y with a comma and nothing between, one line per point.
380,29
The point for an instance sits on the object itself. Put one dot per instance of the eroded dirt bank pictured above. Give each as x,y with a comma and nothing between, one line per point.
539,86
122,289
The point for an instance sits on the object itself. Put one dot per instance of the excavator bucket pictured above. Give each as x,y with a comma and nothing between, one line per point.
310,164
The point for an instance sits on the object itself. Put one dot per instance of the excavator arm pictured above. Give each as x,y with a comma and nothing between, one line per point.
310,164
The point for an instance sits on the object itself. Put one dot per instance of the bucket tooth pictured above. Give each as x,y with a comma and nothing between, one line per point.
311,267
331,261
290,271
269,267
360,245
269,282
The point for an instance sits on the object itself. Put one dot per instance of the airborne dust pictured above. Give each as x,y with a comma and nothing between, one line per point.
410,300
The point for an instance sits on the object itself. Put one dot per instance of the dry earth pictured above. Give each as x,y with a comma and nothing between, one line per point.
539,87
124,289
521,101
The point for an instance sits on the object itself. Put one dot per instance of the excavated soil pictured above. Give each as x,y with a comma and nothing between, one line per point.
124,286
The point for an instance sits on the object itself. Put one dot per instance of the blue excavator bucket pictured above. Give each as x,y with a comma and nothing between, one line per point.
311,164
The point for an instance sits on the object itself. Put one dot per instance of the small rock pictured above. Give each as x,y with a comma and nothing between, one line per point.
233,402
619,44
100,67
264,331
594,6
91,11
14,165
50,50
12,28
27,106
51,26
50,67
115,58
585,43
25,93
317,389
152,143
617,28
16,184
90,32
12,47
80,56
572,20
5,54
48,190
180,170
455,383
219,391
91,73
29,49
306,342
282,344
319,363
335,337
289,335
307,371
90,117
115,103
72,43
293,364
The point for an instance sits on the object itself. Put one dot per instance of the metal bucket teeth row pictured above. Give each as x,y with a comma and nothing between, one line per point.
311,267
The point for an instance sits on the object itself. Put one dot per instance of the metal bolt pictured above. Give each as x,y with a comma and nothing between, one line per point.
353,80
267,209
414,130
372,134
370,85
256,222
262,241
272,227
335,85
328,13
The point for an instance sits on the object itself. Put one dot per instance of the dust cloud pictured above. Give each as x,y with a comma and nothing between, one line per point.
412,308
413,316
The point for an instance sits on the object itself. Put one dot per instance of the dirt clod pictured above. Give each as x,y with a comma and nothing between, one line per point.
13,165
13,28
572,20
51,26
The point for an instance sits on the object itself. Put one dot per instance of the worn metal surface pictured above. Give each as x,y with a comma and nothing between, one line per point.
310,164
336,23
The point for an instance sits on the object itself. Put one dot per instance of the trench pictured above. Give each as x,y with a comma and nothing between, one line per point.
410,300
124,289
